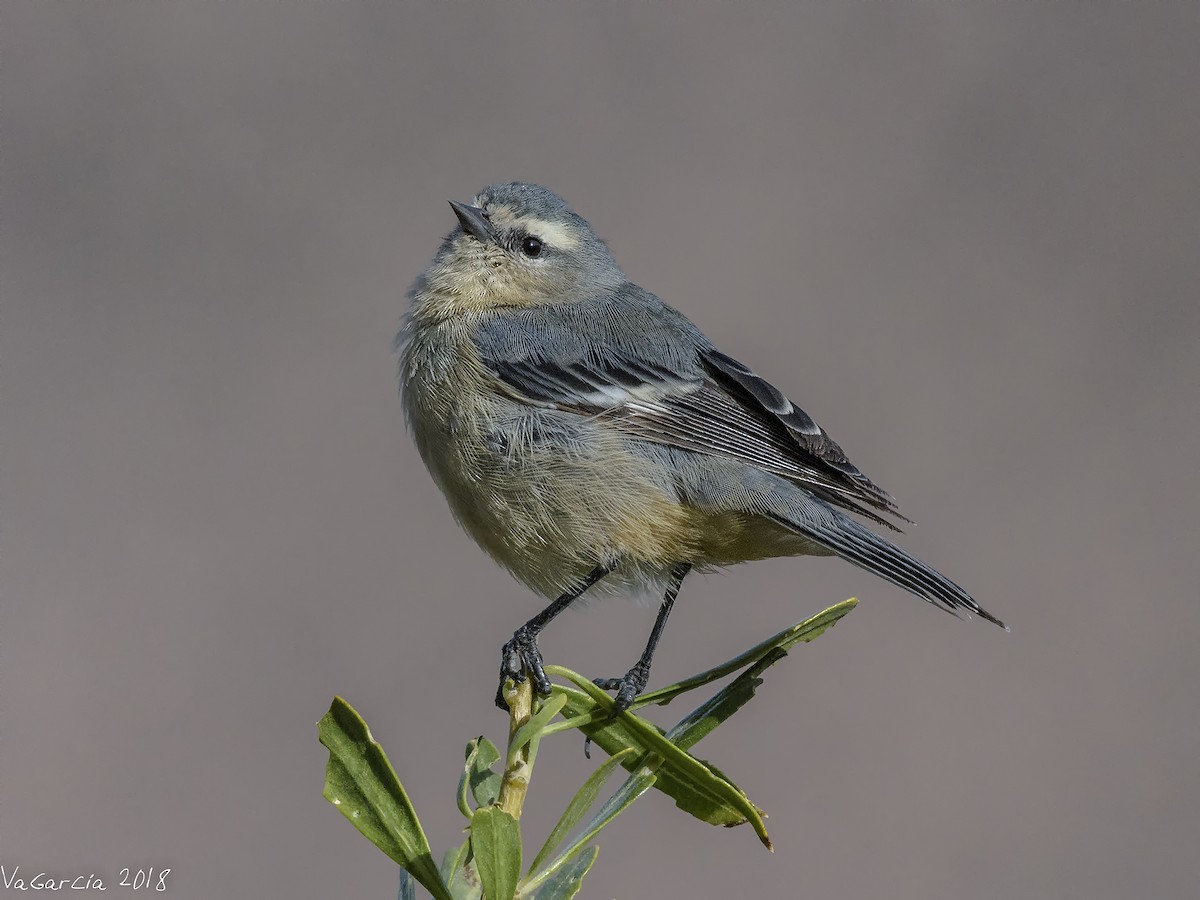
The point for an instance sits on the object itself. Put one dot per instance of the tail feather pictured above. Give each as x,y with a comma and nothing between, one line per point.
869,551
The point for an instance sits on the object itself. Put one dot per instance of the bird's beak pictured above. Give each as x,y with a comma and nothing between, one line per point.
474,221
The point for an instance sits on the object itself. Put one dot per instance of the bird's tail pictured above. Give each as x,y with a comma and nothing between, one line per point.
852,542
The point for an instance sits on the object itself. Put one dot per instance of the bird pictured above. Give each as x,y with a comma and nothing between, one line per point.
590,438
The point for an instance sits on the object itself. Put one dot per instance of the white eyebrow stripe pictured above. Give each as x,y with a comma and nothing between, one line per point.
554,234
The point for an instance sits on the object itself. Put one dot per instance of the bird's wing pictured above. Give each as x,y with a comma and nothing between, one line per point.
700,400
805,438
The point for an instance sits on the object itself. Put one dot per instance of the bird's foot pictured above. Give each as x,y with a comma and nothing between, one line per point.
627,687
521,655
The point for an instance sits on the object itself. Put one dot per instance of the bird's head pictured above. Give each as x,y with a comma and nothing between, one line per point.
516,245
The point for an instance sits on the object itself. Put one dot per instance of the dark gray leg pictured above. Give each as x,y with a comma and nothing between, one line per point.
634,681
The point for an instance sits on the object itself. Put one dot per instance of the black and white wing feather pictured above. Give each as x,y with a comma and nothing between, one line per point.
698,399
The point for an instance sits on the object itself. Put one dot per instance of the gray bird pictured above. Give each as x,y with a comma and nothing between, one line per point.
589,436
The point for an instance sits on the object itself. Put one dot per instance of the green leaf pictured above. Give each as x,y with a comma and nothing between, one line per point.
565,883
466,884
635,785
801,632
531,732
361,783
547,711
460,795
695,786
485,781
453,859
496,848
708,715
701,803
477,775
591,713
580,804
459,874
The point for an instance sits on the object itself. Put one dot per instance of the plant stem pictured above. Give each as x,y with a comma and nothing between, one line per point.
517,764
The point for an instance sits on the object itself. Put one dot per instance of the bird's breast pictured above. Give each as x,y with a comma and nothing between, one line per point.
549,494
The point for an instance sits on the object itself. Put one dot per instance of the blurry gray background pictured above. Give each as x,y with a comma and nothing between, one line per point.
964,237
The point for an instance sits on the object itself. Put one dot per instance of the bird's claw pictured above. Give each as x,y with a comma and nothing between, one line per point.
627,686
521,655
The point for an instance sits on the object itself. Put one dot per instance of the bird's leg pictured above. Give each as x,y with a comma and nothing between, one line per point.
634,681
521,653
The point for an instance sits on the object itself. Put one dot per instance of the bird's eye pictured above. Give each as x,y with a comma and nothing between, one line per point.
531,247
